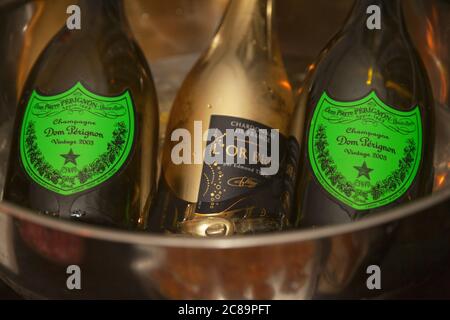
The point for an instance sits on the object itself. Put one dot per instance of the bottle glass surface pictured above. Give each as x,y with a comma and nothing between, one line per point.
84,146
239,83
430,29
368,136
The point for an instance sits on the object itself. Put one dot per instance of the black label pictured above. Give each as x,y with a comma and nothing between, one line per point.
242,187
238,194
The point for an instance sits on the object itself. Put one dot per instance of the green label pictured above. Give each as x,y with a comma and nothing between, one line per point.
76,140
364,153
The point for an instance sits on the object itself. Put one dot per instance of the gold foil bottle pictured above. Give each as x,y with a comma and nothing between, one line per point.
368,138
238,84
86,130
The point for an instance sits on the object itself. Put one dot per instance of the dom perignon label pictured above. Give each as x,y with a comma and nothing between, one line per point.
76,140
232,187
364,153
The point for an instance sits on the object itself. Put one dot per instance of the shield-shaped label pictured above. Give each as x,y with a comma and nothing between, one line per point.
364,153
76,140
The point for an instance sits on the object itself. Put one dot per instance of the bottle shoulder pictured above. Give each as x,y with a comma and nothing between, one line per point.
102,63
350,70
229,77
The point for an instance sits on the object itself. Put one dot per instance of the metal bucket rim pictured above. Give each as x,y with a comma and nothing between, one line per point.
155,240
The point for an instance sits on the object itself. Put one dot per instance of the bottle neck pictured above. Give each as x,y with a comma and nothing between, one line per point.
245,23
390,11
99,12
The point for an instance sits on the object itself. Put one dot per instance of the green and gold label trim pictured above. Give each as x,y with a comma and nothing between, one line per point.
76,140
364,153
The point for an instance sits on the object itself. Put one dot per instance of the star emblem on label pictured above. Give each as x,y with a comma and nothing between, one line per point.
363,171
70,157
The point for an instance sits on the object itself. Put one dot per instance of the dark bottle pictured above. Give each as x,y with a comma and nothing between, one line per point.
368,138
430,29
239,84
85,137
14,20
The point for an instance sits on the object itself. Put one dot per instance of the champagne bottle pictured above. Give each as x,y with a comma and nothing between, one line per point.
13,20
86,129
239,85
430,30
368,135
433,41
